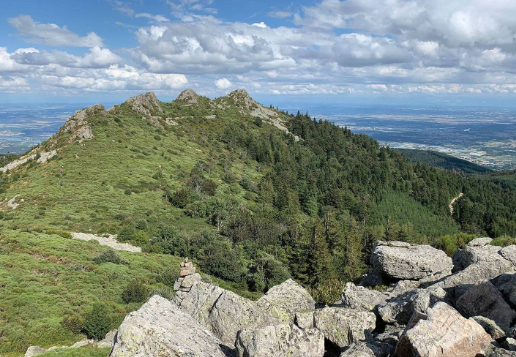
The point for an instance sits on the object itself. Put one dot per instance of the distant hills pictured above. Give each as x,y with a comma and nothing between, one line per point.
438,159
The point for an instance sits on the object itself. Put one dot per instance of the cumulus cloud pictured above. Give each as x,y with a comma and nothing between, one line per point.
335,47
223,83
96,58
51,34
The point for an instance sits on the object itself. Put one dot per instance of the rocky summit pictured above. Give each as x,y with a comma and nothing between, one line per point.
421,313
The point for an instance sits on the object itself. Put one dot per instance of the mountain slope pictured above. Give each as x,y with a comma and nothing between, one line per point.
251,194
438,159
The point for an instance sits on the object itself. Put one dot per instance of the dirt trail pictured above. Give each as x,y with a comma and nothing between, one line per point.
453,201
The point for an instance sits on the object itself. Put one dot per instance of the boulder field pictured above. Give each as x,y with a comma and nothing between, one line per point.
421,309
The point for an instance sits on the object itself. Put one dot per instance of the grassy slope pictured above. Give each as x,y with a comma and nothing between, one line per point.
46,277
444,161
92,195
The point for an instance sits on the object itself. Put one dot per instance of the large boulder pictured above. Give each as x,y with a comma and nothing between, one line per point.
445,333
476,253
232,313
284,300
490,327
160,328
506,283
280,341
475,273
361,298
509,253
367,349
495,351
485,299
344,326
399,260
222,312
399,309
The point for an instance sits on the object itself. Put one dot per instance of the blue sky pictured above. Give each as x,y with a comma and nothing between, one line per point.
437,52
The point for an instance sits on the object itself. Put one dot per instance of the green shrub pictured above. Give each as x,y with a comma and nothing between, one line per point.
266,272
127,192
164,291
181,198
108,256
328,292
450,243
209,187
220,259
168,277
141,225
503,241
135,292
73,323
97,322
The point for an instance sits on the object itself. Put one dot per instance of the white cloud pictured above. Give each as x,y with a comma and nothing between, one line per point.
96,58
157,18
223,83
279,14
51,34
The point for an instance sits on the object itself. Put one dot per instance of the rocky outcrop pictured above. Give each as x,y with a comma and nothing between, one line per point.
445,333
399,309
361,298
399,260
506,283
160,328
78,125
107,342
478,250
222,312
484,299
280,341
108,241
145,104
344,326
284,300
187,96
476,273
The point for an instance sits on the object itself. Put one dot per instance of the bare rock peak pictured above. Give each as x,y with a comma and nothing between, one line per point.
188,96
145,104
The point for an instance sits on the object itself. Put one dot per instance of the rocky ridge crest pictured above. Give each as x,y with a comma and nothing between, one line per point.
427,311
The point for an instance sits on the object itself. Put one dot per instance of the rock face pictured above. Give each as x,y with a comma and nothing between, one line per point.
484,299
280,341
475,252
344,326
284,300
490,327
160,328
222,312
476,273
145,104
398,260
506,283
445,333
361,298
188,96
399,309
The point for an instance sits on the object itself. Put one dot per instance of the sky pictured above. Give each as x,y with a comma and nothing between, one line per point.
436,52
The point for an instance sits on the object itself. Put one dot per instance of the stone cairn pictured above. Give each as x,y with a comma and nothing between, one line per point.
187,269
